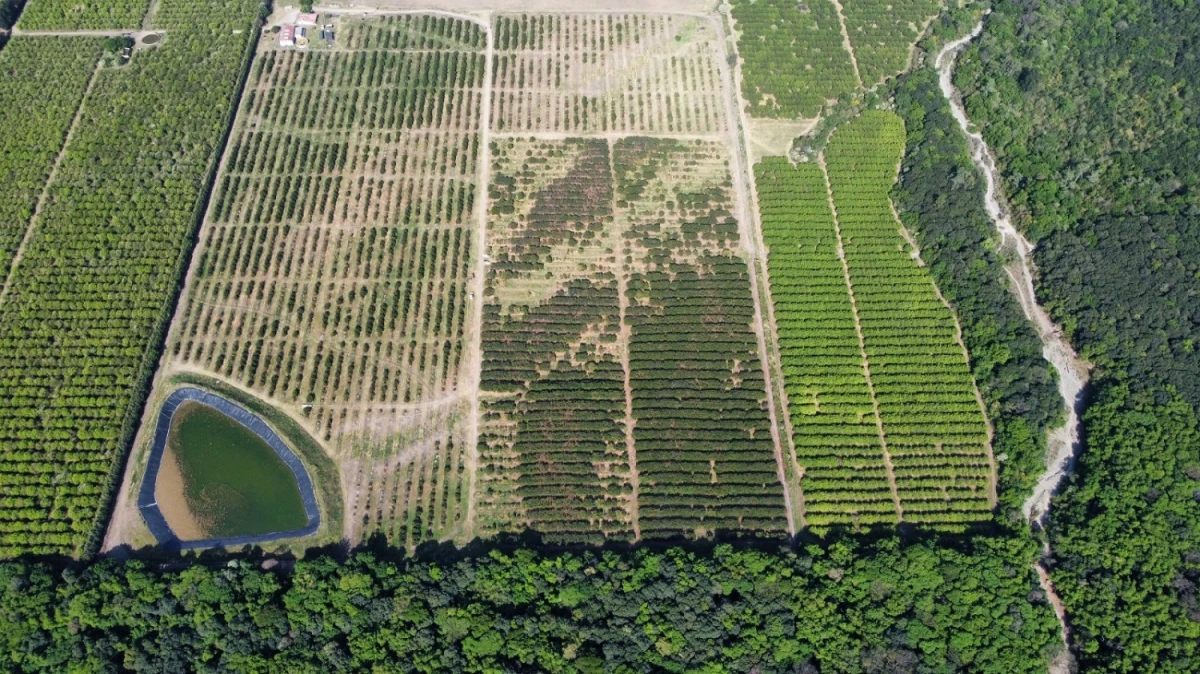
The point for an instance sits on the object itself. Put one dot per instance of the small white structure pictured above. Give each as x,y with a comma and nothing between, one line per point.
309,19
287,36
301,37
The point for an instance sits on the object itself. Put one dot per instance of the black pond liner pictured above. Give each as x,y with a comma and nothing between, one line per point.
148,504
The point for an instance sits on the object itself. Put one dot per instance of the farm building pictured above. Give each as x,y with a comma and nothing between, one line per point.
308,19
287,36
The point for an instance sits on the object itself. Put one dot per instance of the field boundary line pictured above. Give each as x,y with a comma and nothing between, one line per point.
624,336
50,178
768,302
846,44
474,372
751,242
862,344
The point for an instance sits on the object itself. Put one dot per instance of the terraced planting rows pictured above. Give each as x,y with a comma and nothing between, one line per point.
564,442
936,431
88,300
593,73
911,376
793,56
331,278
44,82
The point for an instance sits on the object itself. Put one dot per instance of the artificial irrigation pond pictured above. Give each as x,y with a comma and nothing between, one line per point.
219,475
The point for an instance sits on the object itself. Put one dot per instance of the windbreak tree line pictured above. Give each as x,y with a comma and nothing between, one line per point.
842,608
1092,110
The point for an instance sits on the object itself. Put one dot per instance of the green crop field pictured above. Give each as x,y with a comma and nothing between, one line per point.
78,325
797,56
793,56
45,79
83,14
887,423
609,383
882,33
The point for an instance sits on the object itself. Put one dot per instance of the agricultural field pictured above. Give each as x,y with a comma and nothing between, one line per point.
620,74
331,275
90,295
83,14
887,422
596,371
882,33
797,56
794,58
622,391
45,80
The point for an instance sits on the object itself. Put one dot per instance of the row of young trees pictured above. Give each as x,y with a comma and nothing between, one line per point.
340,90
413,32
334,264
583,32
666,81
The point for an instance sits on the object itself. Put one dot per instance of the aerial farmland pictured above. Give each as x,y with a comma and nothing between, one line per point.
710,336
496,270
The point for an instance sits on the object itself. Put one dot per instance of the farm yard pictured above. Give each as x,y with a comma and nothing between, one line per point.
500,269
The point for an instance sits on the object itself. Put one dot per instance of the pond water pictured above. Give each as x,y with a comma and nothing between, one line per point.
220,479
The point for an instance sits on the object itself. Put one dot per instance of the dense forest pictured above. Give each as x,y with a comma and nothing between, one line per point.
874,609
1093,110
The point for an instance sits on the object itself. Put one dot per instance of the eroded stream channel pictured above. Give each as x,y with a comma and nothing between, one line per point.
1063,441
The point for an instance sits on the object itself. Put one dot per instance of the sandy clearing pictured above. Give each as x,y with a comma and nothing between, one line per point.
473,372
541,6
773,137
